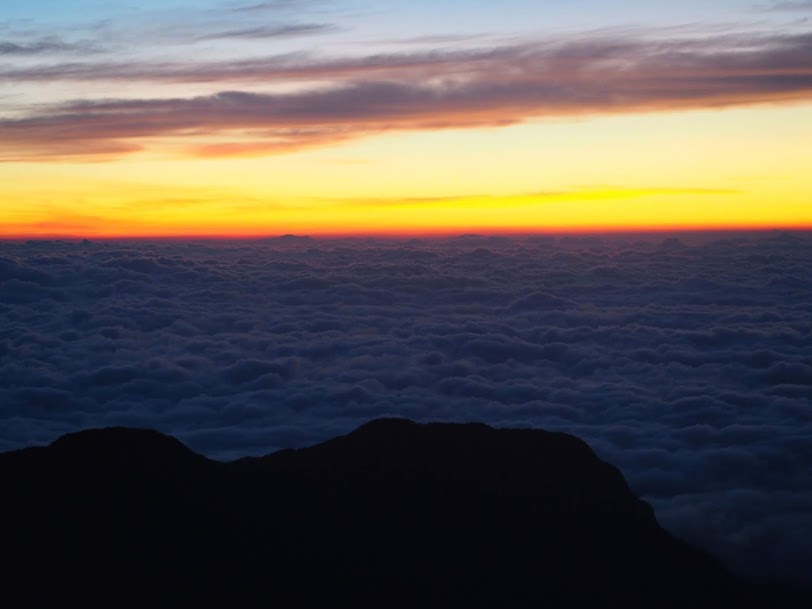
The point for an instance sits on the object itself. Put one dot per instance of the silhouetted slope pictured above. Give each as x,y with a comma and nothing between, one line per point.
393,514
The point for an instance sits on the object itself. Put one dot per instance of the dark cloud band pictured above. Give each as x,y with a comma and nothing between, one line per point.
415,91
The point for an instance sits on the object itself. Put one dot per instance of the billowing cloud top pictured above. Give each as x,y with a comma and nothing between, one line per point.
685,361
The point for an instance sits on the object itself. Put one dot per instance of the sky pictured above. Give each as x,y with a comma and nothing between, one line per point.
347,117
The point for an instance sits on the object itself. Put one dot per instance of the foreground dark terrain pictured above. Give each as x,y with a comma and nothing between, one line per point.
393,514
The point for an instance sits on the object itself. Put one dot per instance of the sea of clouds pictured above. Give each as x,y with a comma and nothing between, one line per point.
686,361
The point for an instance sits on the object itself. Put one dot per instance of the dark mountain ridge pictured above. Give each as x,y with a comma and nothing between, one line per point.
393,514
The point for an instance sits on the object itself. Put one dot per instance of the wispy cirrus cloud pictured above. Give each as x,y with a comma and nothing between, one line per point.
413,91
273,31
48,45
734,53
165,31
273,5
789,6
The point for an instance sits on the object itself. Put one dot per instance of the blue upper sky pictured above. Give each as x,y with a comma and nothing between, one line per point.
388,17
53,31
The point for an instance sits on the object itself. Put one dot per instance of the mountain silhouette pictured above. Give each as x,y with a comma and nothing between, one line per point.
394,514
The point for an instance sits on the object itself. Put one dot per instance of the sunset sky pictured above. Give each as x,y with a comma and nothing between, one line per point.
243,117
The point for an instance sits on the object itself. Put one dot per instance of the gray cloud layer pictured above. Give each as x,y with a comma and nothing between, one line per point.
412,91
687,364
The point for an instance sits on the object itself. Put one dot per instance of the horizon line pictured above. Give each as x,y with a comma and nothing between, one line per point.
408,234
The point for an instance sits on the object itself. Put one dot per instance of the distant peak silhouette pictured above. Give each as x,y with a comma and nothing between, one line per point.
290,239
123,443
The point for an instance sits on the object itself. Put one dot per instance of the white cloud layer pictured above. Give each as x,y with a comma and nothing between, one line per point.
685,362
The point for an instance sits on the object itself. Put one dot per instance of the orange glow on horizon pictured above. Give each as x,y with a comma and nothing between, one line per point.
408,233
743,169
